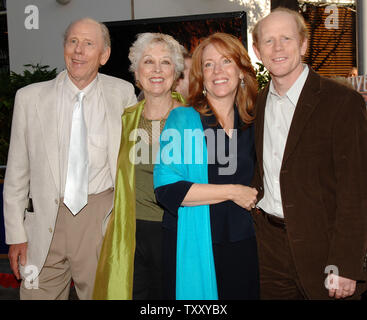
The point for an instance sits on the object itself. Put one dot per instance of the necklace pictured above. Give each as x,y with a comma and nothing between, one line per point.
151,126
162,118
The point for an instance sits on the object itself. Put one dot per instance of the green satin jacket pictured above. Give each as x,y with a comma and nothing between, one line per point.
115,270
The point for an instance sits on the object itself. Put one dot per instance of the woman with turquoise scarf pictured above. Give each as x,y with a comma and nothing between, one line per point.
130,260
202,176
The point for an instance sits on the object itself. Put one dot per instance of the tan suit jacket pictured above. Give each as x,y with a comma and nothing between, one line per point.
323,181
33,161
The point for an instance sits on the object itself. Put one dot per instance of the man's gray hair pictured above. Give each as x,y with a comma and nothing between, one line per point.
144,40
104,30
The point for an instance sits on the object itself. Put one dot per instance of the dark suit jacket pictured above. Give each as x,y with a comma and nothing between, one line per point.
323,181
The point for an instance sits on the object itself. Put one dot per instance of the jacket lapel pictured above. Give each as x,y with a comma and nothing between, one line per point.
259,127
113,108
47,112
307,102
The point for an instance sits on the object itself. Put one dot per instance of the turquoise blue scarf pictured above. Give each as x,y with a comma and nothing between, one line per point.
184,158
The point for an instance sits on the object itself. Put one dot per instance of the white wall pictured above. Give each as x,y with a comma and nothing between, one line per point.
44,45
161,8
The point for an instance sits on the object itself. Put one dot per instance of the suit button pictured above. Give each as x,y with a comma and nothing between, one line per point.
50,229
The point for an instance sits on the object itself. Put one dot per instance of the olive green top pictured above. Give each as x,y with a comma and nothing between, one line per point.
146,204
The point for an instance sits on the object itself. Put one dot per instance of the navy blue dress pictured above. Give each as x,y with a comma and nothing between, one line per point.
233,234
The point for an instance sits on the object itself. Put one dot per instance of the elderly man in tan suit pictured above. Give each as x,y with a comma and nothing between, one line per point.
55,205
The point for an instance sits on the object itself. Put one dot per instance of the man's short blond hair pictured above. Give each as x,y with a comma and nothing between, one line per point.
300,22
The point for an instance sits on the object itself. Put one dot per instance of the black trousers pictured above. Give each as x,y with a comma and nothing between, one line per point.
236,267
148,261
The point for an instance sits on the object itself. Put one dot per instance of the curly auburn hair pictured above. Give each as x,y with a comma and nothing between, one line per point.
231,47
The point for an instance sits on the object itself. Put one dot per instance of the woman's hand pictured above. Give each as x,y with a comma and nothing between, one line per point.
202,194
244,196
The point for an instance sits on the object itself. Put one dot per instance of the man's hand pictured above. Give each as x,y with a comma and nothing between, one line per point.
340,287
17,252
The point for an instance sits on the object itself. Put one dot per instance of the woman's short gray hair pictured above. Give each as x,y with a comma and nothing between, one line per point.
144,40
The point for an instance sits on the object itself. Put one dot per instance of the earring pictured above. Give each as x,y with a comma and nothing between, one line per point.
242,83
204,92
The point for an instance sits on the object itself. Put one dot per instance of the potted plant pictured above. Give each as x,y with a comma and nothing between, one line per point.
262,75
9,84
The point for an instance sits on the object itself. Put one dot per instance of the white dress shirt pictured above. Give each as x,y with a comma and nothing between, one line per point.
279,112
99,171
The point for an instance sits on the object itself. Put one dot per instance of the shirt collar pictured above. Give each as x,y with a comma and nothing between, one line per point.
295,91
74,90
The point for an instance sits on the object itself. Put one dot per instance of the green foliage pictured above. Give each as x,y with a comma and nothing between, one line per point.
262,75
9,84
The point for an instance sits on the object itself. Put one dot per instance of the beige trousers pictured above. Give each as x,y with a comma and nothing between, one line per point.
74,252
